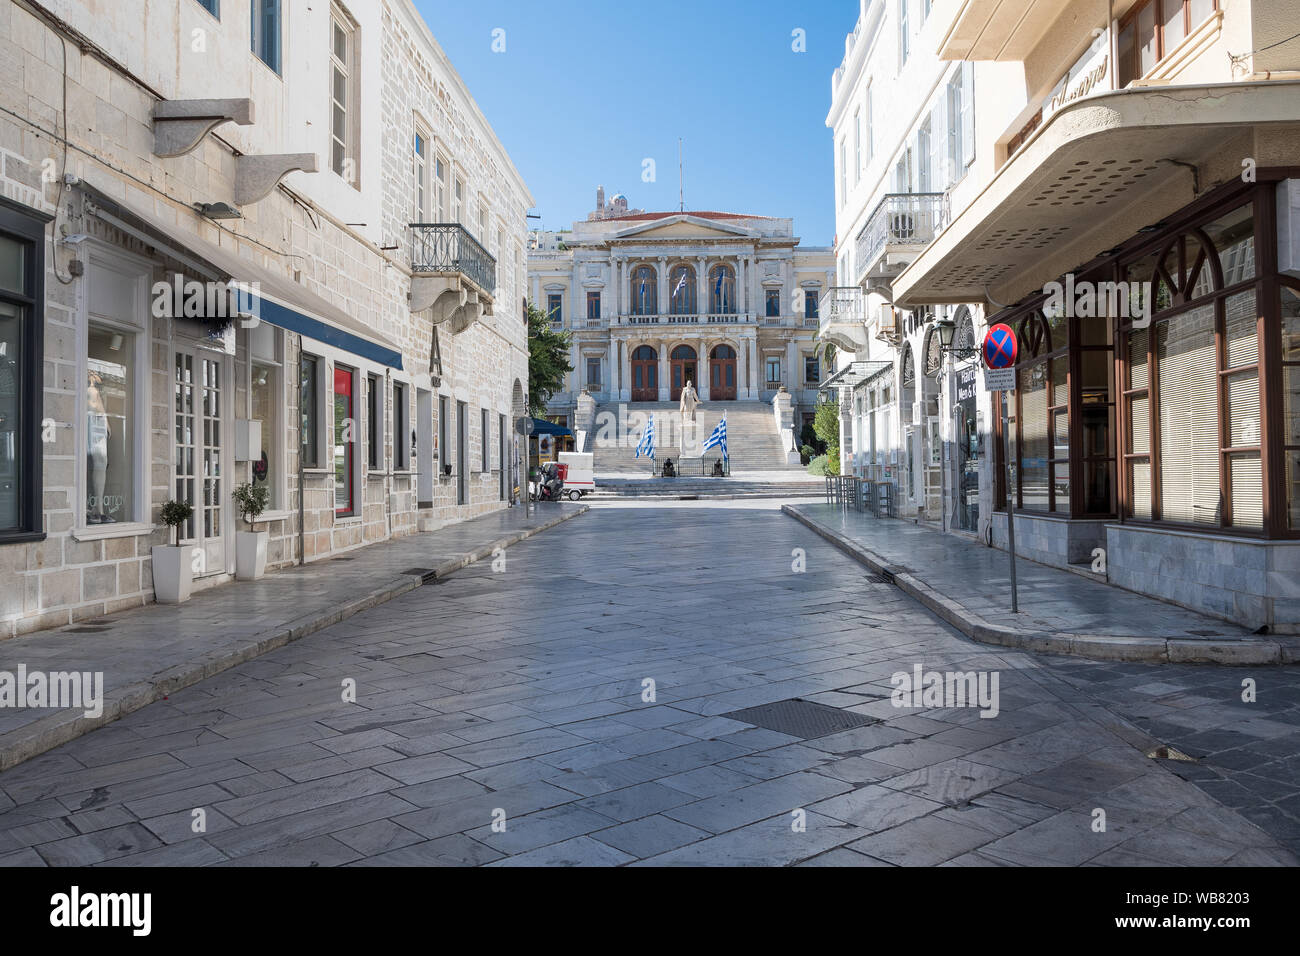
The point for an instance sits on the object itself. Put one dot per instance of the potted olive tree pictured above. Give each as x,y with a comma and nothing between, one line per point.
250,546
173,571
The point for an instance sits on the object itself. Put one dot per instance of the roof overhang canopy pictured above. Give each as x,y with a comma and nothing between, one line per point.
1097,171
271,297
999,29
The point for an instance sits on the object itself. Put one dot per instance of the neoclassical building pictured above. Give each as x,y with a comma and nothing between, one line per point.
727,301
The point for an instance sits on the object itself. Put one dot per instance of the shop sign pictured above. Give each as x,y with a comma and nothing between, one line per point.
965,384
1089,76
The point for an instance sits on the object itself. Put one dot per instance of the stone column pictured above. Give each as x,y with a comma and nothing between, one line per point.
701,285
702,369
661,307
793,374
624,371
752,372
742,263
617,266
664,384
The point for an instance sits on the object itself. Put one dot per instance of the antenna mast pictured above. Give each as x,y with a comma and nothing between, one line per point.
681,193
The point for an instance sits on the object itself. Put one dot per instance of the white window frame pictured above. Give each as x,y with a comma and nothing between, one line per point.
137,272
375,382
420,172
857,146
402,463
340,19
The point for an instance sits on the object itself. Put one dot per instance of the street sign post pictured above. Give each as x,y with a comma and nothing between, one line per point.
999,353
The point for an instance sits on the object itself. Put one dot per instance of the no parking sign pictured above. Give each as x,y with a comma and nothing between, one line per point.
1000,359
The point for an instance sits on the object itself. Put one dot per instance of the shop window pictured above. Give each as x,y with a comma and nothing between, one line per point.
345,439
402,437
309,407
1291,401
443,451
110,426
374,423
21,336
1195,454
267,469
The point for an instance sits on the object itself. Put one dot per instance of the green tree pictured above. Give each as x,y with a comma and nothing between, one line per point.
826,423
548,360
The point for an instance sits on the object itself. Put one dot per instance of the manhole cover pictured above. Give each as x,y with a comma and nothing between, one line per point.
877,579
801,718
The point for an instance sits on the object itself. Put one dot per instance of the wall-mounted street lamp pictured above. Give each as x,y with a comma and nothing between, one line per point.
946,329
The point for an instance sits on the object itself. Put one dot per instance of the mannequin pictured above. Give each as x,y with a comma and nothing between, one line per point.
98,432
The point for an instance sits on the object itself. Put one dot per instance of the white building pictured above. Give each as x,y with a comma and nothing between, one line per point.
726,301
1120,187
370,375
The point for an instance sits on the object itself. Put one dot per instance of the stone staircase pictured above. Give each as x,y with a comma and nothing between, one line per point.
753,443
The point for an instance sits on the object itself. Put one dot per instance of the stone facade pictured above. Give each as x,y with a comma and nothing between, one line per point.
702,280
125,219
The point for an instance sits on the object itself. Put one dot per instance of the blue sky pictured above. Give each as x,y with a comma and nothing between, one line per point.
586,90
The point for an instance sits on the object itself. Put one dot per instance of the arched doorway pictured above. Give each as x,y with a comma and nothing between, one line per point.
684,362
722,373
645,374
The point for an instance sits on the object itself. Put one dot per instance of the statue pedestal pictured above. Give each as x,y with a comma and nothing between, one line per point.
691,444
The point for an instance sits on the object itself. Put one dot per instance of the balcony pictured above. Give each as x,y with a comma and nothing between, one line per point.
843,318
737,318
901,225
454,275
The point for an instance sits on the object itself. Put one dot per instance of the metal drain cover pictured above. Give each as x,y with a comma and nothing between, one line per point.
801,718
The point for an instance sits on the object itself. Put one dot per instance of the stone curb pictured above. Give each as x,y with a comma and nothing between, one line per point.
1096,646
61,726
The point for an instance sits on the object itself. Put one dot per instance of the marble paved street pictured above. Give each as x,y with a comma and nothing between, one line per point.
501,717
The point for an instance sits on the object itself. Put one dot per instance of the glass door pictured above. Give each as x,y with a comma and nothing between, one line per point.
198,464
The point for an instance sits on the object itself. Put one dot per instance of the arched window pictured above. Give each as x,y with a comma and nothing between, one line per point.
722,290
722,352
645,291
965,335
644,353
683,353
681,290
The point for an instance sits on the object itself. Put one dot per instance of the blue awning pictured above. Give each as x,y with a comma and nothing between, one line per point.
268,295
542,427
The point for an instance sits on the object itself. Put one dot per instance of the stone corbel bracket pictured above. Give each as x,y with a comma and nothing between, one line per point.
443,294
256,176
467,314
180,125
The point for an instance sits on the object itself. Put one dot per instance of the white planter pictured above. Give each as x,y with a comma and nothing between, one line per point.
250,555
173,574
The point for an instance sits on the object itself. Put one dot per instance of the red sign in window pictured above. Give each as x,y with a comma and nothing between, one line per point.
344,436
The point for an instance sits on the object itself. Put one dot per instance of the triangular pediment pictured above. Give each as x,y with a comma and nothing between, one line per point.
685,227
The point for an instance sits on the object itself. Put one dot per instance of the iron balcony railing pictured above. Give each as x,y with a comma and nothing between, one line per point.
900,219
449,247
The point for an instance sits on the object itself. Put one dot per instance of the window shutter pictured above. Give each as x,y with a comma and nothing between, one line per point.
939,141
967,114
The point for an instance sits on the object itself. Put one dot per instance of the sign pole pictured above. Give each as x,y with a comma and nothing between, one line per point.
1000,352
1011,499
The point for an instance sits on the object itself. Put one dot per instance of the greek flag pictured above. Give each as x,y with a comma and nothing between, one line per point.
647,444
719,438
